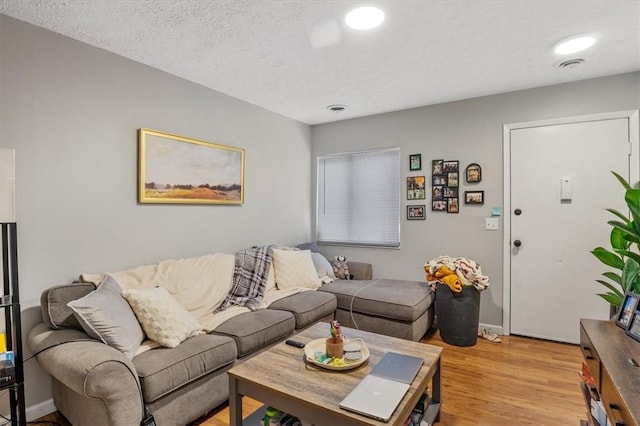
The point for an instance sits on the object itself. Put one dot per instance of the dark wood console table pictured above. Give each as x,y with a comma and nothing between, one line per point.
609,352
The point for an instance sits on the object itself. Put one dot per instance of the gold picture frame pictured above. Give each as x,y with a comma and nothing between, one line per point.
175,169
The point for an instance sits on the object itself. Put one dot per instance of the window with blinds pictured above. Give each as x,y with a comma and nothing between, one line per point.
359,198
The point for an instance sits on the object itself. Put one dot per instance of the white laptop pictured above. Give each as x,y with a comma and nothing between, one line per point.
380,392
375,397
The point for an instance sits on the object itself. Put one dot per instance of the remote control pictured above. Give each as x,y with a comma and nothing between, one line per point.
295,343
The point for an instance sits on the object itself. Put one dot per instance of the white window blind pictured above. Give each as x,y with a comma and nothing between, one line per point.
359,198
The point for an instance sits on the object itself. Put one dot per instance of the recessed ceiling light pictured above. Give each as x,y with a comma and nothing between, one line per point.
364,18
574,44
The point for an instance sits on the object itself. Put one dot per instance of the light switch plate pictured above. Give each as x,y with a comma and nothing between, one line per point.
491,224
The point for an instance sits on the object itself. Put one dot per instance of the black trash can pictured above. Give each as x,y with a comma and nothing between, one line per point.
458,315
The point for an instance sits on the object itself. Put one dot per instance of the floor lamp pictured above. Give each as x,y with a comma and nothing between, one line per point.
10,300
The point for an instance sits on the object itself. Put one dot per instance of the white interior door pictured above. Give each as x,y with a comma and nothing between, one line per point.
556,226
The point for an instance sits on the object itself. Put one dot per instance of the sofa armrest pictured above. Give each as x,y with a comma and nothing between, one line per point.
91,369
360,270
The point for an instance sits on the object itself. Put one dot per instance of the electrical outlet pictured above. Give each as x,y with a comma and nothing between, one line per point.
491,224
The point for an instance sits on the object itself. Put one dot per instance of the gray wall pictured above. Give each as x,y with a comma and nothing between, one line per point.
71,112
468,131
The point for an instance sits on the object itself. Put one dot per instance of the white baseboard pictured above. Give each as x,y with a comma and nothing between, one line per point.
42,409
495,328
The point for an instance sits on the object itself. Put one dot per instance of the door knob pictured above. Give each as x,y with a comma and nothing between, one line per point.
517,212
517,243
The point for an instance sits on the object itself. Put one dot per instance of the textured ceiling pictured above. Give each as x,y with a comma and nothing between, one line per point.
296,57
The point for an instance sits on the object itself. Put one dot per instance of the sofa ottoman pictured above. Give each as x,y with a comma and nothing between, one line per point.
394,308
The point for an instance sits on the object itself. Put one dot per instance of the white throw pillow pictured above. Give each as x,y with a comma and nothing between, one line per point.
162,318
106,316
294,269
271,277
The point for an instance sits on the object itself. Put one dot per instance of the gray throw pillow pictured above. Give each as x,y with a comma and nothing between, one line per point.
105,315
311,246
323,266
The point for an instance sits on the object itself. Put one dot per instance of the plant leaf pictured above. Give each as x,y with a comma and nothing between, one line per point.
622,180
628,228
630,254
630,271
618,240
620,215
610,287
613,299
631,238
632,197
613,277
608,258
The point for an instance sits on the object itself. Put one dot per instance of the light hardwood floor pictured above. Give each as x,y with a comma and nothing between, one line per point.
520,381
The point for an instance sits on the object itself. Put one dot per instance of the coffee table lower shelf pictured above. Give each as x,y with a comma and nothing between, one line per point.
255,418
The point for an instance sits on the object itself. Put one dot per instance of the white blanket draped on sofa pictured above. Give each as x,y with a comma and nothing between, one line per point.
189,281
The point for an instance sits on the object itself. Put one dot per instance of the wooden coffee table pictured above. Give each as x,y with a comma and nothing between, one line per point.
279,377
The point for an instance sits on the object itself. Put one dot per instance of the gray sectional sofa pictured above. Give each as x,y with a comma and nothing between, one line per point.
96,384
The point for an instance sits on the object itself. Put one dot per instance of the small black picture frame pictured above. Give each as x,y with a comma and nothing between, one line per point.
628,306
452,179
440,180
416,212
634,326
474,197
415,162
450,166
416,188
436,167
452,205
450,192
439,205
473,173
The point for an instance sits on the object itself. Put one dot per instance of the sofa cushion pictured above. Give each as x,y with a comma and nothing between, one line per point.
161,316
395,299
258,329
53,304
105,315
164,370
308,307
294,269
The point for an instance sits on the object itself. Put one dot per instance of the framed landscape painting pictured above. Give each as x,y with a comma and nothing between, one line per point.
176,169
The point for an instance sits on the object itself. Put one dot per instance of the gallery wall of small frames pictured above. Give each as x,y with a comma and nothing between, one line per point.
445,181
445,186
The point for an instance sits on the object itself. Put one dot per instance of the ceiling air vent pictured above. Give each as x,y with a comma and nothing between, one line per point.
337,108
569,63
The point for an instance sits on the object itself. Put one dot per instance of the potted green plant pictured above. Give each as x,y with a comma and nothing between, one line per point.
624,254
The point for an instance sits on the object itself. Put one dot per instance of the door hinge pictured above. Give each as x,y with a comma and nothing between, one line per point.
630,148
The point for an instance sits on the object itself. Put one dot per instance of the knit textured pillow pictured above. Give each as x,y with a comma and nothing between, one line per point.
294,269
162,318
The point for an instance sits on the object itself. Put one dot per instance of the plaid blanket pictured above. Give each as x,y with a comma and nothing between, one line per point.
249,278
